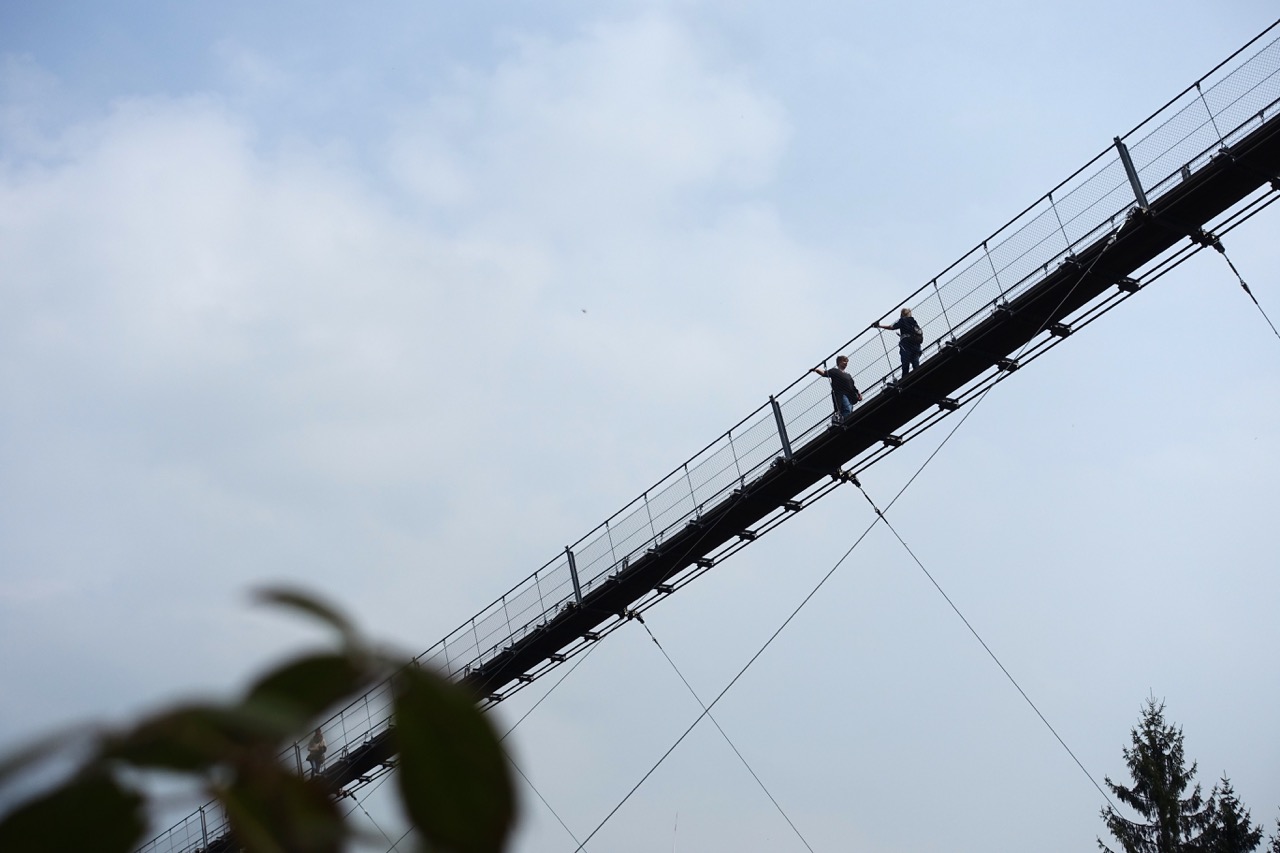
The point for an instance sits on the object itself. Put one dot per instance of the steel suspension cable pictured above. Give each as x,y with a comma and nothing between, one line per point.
577,663
821,582
524,717
504,736
1217,244
550,690
881,515
725,735
554,814
982,642
527,780
729,686
379,828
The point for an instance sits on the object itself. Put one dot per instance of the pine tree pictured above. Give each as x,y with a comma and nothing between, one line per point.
1229,828
1172,821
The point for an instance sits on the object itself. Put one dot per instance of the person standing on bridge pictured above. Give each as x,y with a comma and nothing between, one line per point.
910,340
315,752
844,393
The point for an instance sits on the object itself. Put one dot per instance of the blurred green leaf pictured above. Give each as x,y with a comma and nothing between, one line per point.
187,738
20,760
453,775
196,737
88,813
296,600
273,811
301,689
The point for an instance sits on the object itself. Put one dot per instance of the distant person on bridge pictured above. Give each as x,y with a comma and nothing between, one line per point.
910,340
844,393
315,752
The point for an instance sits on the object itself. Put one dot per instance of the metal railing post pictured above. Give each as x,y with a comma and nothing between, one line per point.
573,573
782,428
204,829
1134,182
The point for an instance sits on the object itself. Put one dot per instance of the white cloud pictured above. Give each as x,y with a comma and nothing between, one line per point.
626,120
243,355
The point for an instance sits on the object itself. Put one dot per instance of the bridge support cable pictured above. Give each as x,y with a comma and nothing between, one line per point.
1217,244
577,663
880,516
841,477
707,709
543,800
725,735
884,518
383,777
394,844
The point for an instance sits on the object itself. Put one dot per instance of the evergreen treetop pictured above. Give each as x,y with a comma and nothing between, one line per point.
1173,816
1229,828
1171,819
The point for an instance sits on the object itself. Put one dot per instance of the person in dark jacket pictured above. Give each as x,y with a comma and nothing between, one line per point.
910,340
844,393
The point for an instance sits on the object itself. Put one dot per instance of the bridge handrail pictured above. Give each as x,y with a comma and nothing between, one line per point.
1077,212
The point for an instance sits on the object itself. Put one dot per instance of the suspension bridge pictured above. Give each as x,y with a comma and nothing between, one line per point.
1197,168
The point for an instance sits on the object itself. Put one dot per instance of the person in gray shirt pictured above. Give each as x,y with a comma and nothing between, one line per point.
844,393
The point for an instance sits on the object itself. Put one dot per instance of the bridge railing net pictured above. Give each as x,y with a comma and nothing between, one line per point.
193,834
1167,148
1078,212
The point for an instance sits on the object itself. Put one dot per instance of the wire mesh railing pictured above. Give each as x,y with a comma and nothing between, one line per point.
1232,100
196,833
1168,147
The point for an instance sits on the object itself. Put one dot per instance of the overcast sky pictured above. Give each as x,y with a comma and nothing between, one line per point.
393,301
